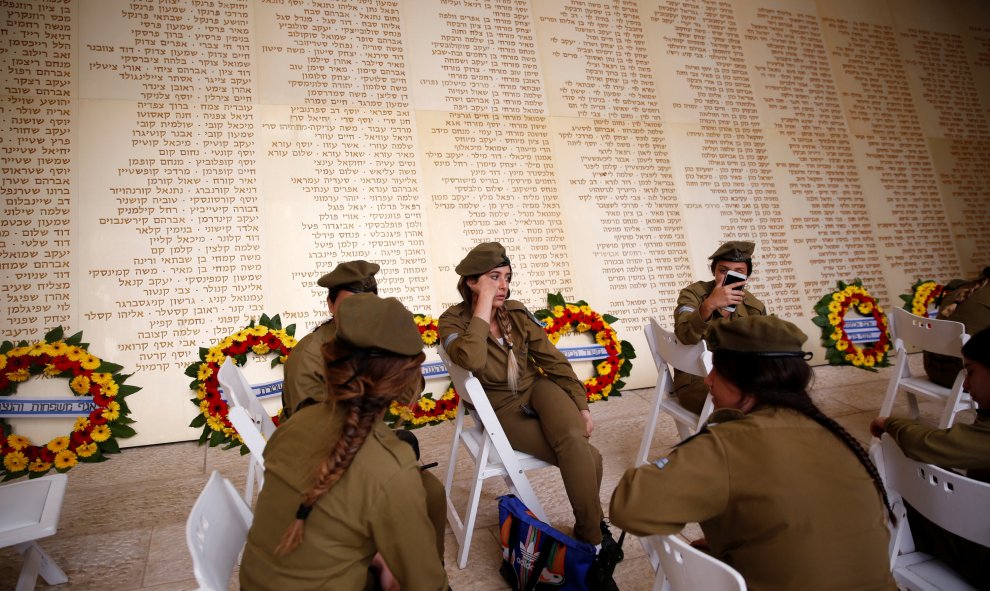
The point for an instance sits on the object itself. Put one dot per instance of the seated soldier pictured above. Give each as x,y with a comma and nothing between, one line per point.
963,301
965,447
703,304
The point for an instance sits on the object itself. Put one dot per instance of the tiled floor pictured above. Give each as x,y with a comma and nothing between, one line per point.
123,521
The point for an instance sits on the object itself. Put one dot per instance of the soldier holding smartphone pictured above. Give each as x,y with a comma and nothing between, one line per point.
704,303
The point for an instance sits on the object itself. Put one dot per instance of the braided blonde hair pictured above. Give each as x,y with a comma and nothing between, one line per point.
512,368
365,386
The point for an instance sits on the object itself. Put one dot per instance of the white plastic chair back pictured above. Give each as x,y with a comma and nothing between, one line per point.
684,568
489,448
950,500
249,418
937,336
216,531
29,511
693,359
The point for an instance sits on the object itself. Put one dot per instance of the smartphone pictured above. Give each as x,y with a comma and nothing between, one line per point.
730,278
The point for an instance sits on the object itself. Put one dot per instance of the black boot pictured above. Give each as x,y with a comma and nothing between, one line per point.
610,554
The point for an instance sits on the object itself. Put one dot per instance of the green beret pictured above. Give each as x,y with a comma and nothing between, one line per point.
356,276
766,336
482,258
737,251
366,321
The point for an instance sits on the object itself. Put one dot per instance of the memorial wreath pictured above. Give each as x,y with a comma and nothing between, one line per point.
923,294
561,317
92,436
426,410
264,338
830,315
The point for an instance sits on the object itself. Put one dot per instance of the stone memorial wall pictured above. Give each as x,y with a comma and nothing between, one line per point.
172,169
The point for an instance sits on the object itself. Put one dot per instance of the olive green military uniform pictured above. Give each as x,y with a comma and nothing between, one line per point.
379,505
304,371
974,313
691,328
965,447
779,498
557,436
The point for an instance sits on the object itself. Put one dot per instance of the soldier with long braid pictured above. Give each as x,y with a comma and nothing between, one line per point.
343,495
782,492
543,414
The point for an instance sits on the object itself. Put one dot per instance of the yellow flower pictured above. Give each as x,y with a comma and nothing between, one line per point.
38,348
101,378
3,361
554,338
834,307
836,335
261,349
50,370
289,342
918,310
258,330
430,336
215,355
204,372
82,423
558,311
58,348
282,358
566,329
38,466
110,389
604,368
15,461
226,342
573,309
65,459
834,319
879,308
601,338
201,392
74,353
427,404
17,441
582,327
240,335
214,423
85,450
80,384
866,308
20,375
606,391
112,411
868,361
100,433
90,362
58,444
448,395
841,345
591,382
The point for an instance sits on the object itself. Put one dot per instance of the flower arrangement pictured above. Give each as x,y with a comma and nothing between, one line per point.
92,436
831,313
923,294
264,338
426,410
561,317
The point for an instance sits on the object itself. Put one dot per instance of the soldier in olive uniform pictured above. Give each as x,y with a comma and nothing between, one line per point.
304,384
783,493
340,487
702,304
967,302
304,368
545,415
965,447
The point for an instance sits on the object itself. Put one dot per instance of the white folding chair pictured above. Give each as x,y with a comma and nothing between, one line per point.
952,501
937,336
249,418
216,530
487,445
693,359
684,568
29,511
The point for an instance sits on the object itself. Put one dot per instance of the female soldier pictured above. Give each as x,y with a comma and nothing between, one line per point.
336,469
783,493
504,345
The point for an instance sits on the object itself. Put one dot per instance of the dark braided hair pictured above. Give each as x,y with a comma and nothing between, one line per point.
364,385
784,382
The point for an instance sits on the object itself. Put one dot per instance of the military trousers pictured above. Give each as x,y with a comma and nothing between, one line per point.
558,435
436,506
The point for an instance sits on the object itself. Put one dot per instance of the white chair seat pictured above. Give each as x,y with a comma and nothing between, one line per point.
29,511
489,448
937,336
216,530
689,569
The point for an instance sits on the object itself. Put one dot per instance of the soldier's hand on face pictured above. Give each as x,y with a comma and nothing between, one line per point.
723,296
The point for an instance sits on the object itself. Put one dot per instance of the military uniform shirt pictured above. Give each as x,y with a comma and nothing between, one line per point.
379,505
470,345
965,447
779,498
304,370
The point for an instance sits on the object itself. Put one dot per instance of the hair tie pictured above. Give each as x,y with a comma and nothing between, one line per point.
303,511
509,345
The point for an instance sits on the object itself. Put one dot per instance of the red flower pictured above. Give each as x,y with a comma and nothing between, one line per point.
96,417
